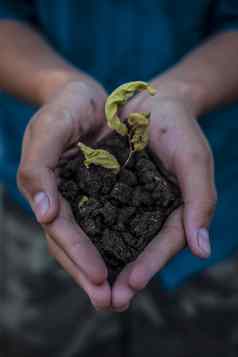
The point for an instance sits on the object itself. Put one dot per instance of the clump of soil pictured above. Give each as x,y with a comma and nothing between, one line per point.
124,212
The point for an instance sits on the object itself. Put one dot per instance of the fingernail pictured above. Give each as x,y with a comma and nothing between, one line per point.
41,205
204,242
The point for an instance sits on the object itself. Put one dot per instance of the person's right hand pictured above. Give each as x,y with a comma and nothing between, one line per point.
75,112
179,143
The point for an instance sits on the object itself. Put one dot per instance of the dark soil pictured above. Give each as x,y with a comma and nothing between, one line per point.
124,212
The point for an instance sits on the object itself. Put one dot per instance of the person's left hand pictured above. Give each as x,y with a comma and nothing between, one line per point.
177,139
75,112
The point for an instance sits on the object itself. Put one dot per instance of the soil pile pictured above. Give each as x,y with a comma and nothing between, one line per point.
121,213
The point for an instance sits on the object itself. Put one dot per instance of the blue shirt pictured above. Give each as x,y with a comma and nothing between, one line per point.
122,40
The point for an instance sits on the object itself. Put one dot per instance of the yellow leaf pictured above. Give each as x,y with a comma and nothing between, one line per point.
118,98
99,157
139,130
83,200
138,119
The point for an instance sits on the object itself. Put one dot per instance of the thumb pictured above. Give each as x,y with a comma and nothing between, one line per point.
39,187
43,144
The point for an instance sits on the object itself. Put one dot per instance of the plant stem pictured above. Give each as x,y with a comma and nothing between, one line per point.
130,153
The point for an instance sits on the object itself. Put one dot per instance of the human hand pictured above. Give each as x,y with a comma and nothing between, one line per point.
75,112
176,138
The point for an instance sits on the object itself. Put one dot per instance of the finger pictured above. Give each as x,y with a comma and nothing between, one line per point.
122,292
76,245
195,173
43,143
169,242
100,295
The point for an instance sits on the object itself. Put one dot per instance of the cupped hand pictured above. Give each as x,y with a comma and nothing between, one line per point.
75,112
177,139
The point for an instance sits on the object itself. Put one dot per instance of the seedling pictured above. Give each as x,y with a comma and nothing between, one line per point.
137,129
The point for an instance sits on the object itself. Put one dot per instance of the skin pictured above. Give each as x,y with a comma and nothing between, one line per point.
53,130
176,138
71,108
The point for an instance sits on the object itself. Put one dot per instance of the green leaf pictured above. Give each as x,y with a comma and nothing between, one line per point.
118,98
99,157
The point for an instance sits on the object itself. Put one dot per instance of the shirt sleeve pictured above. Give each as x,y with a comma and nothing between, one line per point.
223,16
16,10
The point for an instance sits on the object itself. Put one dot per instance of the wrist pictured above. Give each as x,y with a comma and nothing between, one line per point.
57,80
190,93
187,93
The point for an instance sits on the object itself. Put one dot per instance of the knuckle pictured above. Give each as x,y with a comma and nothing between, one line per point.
210,204
40,120
44,118
22,175
25,176
32,126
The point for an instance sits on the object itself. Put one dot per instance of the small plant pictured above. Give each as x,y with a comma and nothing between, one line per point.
137,127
